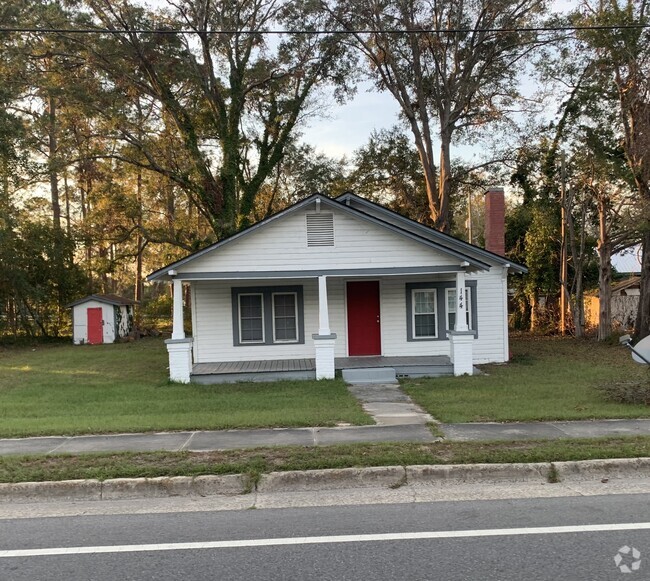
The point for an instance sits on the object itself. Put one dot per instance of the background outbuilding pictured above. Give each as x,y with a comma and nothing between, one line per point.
100,319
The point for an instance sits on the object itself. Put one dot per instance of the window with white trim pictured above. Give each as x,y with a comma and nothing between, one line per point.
431,309
251,318
451,308
268,315
285,317
425,313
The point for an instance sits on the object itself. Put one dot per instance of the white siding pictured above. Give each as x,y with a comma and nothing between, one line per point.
491,345
488,347
393,321
282,245
213,329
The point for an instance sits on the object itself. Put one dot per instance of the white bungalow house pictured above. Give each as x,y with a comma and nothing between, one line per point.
340,283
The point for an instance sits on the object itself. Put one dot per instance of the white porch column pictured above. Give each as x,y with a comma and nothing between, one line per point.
324,340
323,311
461,307
178,332
461,339
179,347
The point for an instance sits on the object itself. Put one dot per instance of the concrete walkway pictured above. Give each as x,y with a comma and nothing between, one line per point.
204,441
545,430
397,417
388,404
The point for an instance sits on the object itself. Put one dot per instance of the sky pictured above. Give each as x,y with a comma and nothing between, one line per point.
347,127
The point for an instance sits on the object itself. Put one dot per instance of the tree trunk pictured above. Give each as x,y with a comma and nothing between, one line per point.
170,210
579,310
84,189
605,290
430,185
424,148
4,201
642,327
577,254
52,152
66,193
533,312
139,249
604,272
441,221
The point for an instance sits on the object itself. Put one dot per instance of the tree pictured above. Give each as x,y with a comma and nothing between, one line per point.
452,67
303,171
224,88
622,53
387,170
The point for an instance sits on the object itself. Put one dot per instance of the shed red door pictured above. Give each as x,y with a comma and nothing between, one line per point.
364,330
95,329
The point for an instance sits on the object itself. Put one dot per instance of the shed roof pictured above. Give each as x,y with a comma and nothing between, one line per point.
627,283
109,299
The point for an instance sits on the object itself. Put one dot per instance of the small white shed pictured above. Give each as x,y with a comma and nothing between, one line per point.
100,319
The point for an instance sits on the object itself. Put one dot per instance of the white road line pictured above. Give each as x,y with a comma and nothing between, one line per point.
326,540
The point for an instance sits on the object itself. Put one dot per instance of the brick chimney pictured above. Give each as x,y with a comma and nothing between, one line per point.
495,232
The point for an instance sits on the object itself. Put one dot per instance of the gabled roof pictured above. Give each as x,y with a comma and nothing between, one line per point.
429,233
447,245
109,299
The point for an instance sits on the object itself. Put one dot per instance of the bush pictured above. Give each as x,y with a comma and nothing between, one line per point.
632,392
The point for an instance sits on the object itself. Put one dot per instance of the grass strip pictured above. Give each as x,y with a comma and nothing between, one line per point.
261,460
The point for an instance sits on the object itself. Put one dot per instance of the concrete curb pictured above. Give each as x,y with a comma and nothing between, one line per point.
470,473
323,480
126,488
598,469
332,479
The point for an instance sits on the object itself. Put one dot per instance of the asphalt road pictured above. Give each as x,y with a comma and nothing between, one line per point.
575,538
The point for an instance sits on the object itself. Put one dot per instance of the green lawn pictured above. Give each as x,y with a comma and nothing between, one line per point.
66,389
547,379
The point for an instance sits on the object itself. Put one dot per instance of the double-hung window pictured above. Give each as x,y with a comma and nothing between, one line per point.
285,317
431,309
451,308
267,315
425,313
251,318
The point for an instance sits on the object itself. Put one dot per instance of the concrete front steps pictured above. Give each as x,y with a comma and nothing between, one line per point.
392,374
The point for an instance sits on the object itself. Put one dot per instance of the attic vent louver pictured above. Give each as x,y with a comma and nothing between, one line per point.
320,230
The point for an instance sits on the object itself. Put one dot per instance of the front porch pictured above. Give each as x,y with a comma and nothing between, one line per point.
301,368
368,317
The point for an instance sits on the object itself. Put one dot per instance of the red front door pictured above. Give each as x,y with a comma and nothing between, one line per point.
364,331
95,329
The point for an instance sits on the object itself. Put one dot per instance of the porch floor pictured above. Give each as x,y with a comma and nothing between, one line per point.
263,370
254,366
